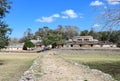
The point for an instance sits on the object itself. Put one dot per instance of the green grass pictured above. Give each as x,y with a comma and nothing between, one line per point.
104,61
112,68
12,66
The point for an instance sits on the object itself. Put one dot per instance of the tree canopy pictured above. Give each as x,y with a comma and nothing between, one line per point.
56,36
4,7
28,35
104,36
62,33
28,45
4,29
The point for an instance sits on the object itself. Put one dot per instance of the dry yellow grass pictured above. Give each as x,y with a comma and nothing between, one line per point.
12,65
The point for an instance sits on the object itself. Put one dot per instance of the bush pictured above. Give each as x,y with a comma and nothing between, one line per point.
28,44
24,47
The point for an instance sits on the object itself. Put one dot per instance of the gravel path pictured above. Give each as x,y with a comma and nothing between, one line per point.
57,69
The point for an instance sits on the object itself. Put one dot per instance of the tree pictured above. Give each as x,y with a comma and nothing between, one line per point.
58,37
104,36
115,37
110,15
51,37
84,33
71,31
93,33
4,34
111,18
28,45
28,35
4,29
4,8
43,34
40,32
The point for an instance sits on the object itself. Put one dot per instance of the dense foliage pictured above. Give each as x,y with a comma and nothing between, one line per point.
63,33
28,45
57,36
105,36
4,29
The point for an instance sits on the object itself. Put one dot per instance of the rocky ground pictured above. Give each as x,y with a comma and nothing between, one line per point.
54,68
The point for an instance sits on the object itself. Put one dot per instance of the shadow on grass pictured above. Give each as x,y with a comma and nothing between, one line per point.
112,68
1,62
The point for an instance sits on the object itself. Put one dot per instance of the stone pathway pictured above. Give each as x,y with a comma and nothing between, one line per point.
57,69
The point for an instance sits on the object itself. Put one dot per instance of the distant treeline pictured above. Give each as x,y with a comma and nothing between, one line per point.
63,33
105,36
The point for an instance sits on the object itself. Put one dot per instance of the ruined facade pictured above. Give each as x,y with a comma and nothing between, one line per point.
87,41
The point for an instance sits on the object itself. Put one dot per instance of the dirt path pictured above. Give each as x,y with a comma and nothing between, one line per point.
57,69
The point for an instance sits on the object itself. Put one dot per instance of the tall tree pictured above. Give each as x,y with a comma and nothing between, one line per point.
110,15
4,7
51,37
71,31
110,19
28,35
4,29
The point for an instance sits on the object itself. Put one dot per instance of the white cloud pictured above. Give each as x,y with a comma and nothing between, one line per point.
113,2
45,19
55,15
96,25
69,13
48,19
65,17
96,3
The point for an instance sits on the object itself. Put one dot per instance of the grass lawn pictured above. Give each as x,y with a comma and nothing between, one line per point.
108,62
12,65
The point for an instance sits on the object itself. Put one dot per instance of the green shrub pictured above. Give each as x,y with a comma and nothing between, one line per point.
28,44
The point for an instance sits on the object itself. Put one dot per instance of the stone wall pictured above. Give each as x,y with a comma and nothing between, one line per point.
33,72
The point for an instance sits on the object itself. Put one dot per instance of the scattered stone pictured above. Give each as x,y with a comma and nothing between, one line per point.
29,75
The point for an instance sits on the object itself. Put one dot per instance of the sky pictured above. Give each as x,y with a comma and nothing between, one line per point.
35,14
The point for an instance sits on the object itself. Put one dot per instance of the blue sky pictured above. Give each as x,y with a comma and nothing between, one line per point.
35,14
